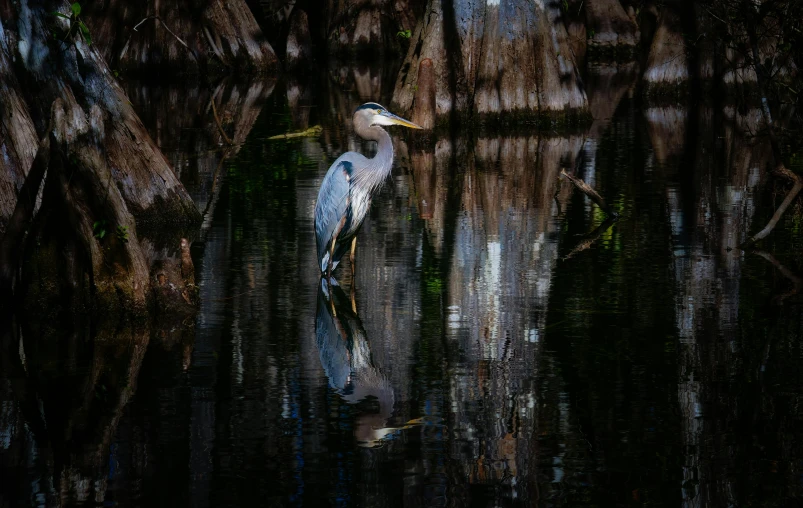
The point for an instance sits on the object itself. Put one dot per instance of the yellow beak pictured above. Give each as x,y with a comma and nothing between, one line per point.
399,120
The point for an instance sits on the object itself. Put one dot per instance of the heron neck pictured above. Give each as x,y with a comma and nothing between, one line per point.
383,160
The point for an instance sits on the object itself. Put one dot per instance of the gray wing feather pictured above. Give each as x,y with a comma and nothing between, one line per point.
331,206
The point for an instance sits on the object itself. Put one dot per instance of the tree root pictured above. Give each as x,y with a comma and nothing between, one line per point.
591,193
12,240
790,197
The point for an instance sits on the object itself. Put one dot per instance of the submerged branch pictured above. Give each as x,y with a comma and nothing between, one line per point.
589,238
591,193
312,132
796,188
797,282
209,212
219,125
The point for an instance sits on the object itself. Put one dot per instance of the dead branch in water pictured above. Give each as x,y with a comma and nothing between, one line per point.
312,132
219,125
797,282
591,193
589,238
798,185
209,211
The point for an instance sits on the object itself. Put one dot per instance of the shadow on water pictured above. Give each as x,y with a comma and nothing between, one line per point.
507,345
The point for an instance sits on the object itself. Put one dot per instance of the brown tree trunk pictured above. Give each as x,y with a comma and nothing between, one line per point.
179,37
299,41
105,185
667,65
359,26
493,58
610,27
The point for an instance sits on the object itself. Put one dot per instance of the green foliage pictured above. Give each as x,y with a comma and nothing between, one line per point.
404,34
77,25
122,233
99,229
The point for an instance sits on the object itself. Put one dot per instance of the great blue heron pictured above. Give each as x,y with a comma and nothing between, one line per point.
351,182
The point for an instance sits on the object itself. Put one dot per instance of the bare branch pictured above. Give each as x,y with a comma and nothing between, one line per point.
781,170
166,28
591,193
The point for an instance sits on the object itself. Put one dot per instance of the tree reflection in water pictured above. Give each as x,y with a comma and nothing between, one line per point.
511,347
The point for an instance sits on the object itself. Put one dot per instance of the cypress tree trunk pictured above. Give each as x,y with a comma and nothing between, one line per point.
610,27
180,36
357,26
501,59
98,184
667,64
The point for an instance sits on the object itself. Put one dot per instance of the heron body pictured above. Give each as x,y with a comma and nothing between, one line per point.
351,182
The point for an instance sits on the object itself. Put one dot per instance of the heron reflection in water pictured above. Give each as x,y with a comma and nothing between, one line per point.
346,359
350,184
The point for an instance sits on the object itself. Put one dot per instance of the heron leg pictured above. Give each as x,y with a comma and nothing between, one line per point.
332,248
351,258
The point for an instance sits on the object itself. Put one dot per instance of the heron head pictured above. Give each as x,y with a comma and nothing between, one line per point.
372,113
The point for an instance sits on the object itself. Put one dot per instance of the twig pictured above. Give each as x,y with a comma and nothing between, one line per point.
782,171
166,28
215,49
591,193
716,17
219,125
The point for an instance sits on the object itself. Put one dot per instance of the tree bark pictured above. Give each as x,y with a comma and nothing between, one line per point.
106,185
179,37
493,58
19,142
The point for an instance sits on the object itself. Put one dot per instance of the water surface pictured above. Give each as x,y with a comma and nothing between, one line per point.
502,343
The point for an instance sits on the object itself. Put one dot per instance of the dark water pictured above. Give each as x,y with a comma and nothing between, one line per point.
506,345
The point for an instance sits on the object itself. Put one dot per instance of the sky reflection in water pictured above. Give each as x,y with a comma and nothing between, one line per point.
504,345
